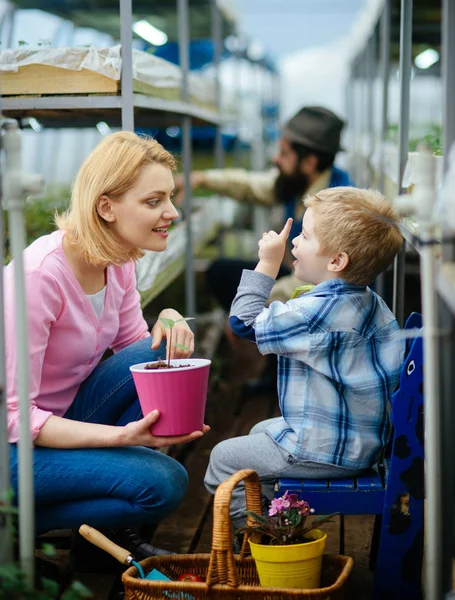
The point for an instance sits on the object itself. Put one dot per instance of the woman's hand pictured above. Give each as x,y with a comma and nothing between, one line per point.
138,433
176,337
59,432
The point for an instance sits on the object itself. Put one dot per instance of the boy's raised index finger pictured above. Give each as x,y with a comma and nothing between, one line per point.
287,228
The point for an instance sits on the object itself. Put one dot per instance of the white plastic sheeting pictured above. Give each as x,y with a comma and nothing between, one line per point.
147,68
318,75
411,174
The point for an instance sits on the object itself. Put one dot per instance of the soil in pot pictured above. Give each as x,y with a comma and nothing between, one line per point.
161,364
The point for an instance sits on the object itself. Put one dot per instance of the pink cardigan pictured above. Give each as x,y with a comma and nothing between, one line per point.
66,340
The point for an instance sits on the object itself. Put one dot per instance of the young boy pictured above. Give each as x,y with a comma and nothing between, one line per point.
339,355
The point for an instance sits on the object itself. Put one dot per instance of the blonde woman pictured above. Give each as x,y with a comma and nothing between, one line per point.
93,461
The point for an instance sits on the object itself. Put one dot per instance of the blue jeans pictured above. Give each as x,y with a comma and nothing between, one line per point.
105,487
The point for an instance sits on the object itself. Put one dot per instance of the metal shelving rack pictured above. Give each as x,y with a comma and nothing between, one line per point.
439,316
125,109
129,108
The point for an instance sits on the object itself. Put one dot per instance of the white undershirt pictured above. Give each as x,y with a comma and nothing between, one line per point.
97,302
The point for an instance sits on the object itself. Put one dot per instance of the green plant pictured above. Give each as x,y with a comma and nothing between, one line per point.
14,584
285,523
432,138
169,324
39,216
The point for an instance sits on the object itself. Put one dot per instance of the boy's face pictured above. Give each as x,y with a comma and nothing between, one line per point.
309,266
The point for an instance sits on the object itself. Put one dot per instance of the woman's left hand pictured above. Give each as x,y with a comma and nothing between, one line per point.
176,337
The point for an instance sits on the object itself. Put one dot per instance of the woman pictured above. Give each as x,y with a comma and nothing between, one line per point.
92,457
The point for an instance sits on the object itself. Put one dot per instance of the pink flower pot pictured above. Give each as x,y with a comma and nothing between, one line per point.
179,394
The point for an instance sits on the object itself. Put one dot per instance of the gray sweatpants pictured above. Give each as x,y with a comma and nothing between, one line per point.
259,452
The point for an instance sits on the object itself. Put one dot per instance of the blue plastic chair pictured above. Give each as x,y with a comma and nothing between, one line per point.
394,493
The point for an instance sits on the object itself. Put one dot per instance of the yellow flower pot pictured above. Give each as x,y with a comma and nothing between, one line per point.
294,566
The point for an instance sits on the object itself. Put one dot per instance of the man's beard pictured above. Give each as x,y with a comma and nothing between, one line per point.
290,186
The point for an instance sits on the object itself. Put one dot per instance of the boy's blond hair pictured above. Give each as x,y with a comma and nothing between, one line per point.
361,223
111,169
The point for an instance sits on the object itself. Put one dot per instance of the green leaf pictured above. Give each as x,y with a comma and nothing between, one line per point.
77,590
167,322
48,550
50,587
323,519
295,518
258,518
181,347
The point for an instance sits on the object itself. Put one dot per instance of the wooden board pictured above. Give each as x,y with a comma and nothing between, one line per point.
45,79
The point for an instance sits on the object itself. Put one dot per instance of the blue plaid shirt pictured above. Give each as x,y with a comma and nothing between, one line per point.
339,362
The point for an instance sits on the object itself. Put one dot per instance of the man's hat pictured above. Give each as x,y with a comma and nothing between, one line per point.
316,128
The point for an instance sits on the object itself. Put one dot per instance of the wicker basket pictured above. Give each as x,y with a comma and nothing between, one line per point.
227,576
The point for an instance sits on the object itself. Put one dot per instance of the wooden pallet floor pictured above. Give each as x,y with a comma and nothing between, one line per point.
189,528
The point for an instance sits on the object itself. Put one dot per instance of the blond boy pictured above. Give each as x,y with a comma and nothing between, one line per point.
339,355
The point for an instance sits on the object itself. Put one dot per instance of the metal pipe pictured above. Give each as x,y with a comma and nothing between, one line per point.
126,50
403,141
15,186
6,546
448,76
433,447
405,87
446,318
385,74
184,43
446,321
370,79
217,42
384,49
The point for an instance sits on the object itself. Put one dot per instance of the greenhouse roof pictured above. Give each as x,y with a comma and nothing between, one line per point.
104,15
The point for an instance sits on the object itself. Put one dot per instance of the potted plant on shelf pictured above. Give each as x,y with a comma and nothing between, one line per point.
177,388
287,551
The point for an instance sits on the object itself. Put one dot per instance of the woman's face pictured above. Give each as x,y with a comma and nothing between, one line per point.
142,216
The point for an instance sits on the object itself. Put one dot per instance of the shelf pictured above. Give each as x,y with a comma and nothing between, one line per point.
446,284
86,110
410,231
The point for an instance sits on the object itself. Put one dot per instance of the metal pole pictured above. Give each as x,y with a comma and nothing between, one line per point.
126,45
446,318
217,42
448,58
384,50
353,122
433,446
6,547
403,141
385,74
8,22
15,186
239,95
184,43
370,79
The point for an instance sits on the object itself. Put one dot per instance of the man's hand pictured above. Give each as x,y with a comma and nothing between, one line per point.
196,180
138,433
272,247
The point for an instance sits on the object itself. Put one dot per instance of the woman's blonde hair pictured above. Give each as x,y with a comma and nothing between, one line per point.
361,223
110,169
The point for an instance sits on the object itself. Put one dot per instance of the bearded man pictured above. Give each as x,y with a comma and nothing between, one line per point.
303,166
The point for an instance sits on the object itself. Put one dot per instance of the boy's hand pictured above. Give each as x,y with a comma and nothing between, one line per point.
272,247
